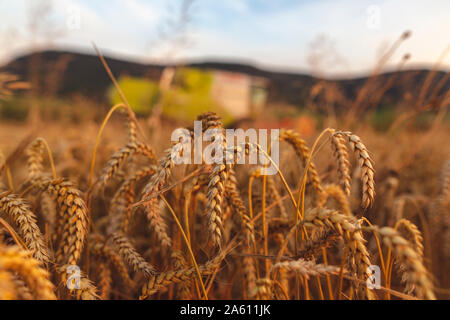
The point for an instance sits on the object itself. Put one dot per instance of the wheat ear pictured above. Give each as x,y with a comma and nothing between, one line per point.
343,164
302,151
165,279
48,211
132,133
234,197
124,197
81,287
72,219
23,292
441,204
415,273
157,181
35,153
263,289
410,232
336,193
314,245
121,156
347,227
132,257
7,286
306,268
24,218
217,179
445,182
365,163
179,263
105,282
275,195
13,259
249,271
105,252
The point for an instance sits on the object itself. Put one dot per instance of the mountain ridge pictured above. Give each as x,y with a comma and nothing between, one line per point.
84,74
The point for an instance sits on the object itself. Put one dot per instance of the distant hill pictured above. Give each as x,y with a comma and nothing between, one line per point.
69,73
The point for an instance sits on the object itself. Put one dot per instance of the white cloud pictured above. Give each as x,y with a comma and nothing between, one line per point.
143,11
234,29
282,38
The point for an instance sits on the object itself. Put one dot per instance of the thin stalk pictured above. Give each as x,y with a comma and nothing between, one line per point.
14,235
9,177
97,141
188,246
50,158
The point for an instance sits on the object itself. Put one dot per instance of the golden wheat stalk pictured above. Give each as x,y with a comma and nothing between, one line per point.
318,241
132,257
179,263
105,280
302,151
347,227
366,165
410,232
19,211
13,259
216,189
416,274
398,207
35,154
124,198
72,219
120,157
23,292
105,283
48,211
107,253
263,289
157,181
217,179
164,279
306,268
445,182
335,192
275,195
341,156
7,286
442,204
234,197
249,271
132,133
80,286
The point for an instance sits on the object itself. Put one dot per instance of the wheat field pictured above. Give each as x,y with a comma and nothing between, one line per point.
100,210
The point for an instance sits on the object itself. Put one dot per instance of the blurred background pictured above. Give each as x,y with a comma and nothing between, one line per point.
377,68
292,60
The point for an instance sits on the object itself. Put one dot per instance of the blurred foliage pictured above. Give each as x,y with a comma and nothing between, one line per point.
14,109
425,120
75,110
189,95
142,94
383,118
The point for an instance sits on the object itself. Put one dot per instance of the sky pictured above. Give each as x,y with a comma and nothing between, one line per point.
328,37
